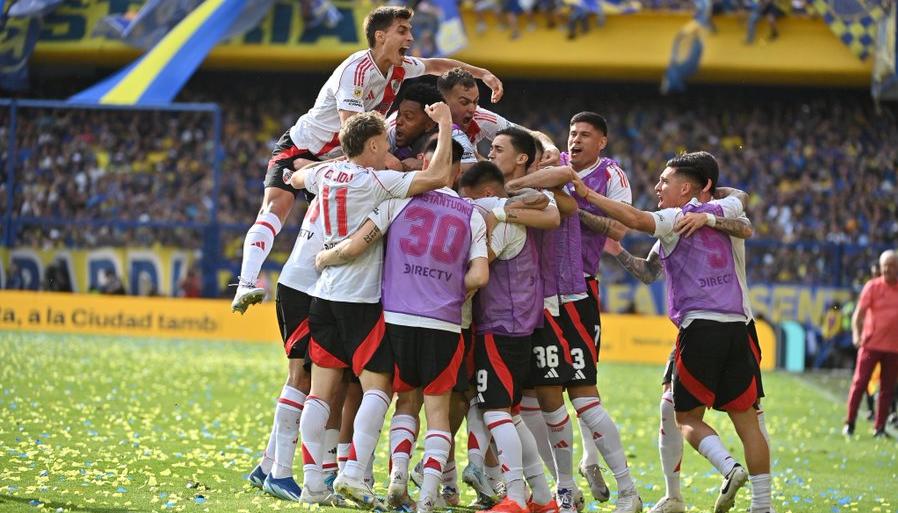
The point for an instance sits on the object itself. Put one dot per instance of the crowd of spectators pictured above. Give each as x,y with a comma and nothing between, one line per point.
822,166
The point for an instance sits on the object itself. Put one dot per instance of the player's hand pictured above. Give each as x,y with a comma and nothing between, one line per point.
613,247
495,85
690,223
439,112
325,258
412,164
551,157
580,188
391,162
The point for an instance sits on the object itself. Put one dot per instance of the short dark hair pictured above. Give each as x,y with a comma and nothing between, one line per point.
457,150
593,119
522,141
480,173
422,93
358,129
698,167
453,77
381,19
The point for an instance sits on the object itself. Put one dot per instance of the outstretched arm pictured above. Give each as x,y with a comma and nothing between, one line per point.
602,225
625,214
646,270
438,66
545,178
739,227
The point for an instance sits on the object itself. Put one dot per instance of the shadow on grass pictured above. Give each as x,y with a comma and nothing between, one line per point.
50,506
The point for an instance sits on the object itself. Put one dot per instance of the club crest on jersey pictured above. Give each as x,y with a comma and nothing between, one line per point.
395,83
357,92
288,173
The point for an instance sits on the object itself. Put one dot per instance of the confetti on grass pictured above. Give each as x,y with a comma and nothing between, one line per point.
107,424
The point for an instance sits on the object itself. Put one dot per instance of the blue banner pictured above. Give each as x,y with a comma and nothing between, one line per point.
854,22
685,57
158,76
450,34
17,39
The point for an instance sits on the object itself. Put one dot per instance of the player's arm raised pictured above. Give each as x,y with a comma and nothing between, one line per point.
439,171
625,214
438,66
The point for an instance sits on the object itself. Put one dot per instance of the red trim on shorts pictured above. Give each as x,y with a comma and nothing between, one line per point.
268,225
745,400
288,402
755,348
322,358
692,385
301,331
498,423
470,367
588,407
400,386
582,331
593,285
289,153
446,380
369,346
499,366
333,143
559,335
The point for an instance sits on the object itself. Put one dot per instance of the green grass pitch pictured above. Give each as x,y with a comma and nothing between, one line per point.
103,425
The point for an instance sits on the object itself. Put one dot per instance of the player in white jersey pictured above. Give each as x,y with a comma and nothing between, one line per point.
460,92
367,80
717,364
346,319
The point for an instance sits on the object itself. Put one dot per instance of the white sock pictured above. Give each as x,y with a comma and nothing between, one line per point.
402,441
268,456
670,446
533,418
257,245
760,493
450,474
312,425
436,452
369,470
366,430
342,455
561,436
534,469
607,439
509,443
330,455
287,415
494,474
590,451
478,436
713,450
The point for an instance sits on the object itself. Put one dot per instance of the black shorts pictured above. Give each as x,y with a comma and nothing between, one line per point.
582,327
550,359
293,320
715,367
280,166
349,335
756,349
425,358
503,368
466,369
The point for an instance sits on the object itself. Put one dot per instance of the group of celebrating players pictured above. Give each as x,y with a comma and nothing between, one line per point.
468,286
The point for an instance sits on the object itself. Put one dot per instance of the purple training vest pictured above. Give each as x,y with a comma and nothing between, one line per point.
592,243
701,272
560,258
426,257
512,302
